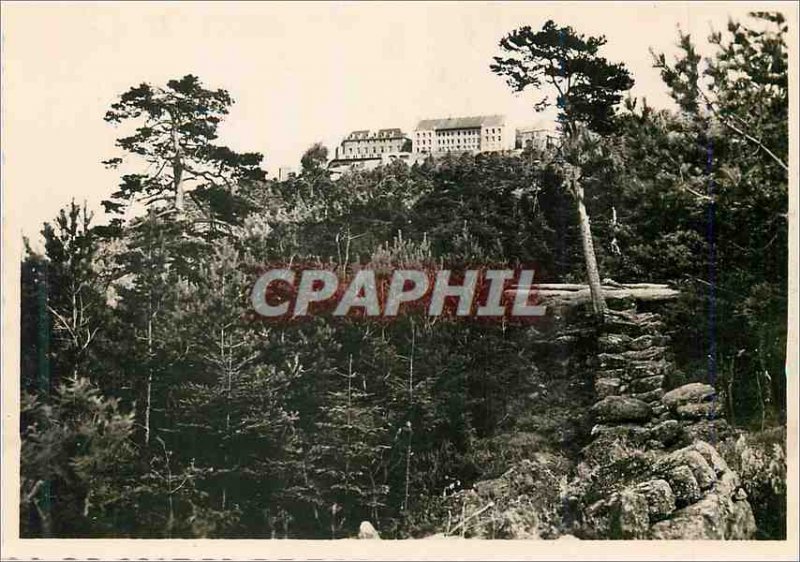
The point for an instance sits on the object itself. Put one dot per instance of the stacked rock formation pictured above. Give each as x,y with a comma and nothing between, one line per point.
650,472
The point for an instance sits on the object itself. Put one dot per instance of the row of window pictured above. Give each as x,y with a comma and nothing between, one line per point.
459,132
457,141
451,149
471,132
446,138
368,136
372,139
372,150
422,143
450,140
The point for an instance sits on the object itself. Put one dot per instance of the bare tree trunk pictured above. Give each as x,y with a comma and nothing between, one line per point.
228,388
149,397
592,272
614,227
177,165
171,516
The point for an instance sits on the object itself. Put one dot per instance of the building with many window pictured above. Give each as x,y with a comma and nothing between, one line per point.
484,133
365,150
535,137
365,144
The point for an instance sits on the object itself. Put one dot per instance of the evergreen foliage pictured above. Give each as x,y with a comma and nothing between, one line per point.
154,405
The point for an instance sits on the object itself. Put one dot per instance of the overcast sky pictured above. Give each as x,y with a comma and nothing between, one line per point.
299,73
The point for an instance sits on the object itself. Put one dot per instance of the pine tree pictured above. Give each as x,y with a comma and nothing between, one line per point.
588,90
78,444
188,176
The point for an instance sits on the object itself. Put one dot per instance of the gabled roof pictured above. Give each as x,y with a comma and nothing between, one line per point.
394,132
462,122
366,134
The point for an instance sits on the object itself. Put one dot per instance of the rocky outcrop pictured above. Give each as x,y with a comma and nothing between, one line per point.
650,472
522,503
760,460
646,465
518,471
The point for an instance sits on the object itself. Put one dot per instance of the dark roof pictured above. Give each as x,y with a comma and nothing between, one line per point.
393,133
462,122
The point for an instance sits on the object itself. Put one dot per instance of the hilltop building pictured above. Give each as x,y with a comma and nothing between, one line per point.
483,133
535,137
366,150
366,144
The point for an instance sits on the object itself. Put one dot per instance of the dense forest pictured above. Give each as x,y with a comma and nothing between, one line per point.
155,405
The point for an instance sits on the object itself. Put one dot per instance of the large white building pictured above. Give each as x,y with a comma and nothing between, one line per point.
535,137
483,133
366,150
365,144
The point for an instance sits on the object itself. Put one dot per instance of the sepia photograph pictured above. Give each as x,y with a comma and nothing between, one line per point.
336,280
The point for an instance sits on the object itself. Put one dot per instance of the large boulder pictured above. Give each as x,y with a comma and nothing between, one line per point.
701,470
632,515
689,493
617,409
721,515
760,461
712,457
683,484
692,393
622,515
659,496
709,430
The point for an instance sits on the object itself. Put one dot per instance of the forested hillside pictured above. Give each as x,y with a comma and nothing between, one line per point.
154,403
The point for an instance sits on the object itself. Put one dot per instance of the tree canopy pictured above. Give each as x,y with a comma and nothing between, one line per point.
176,126
587,86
